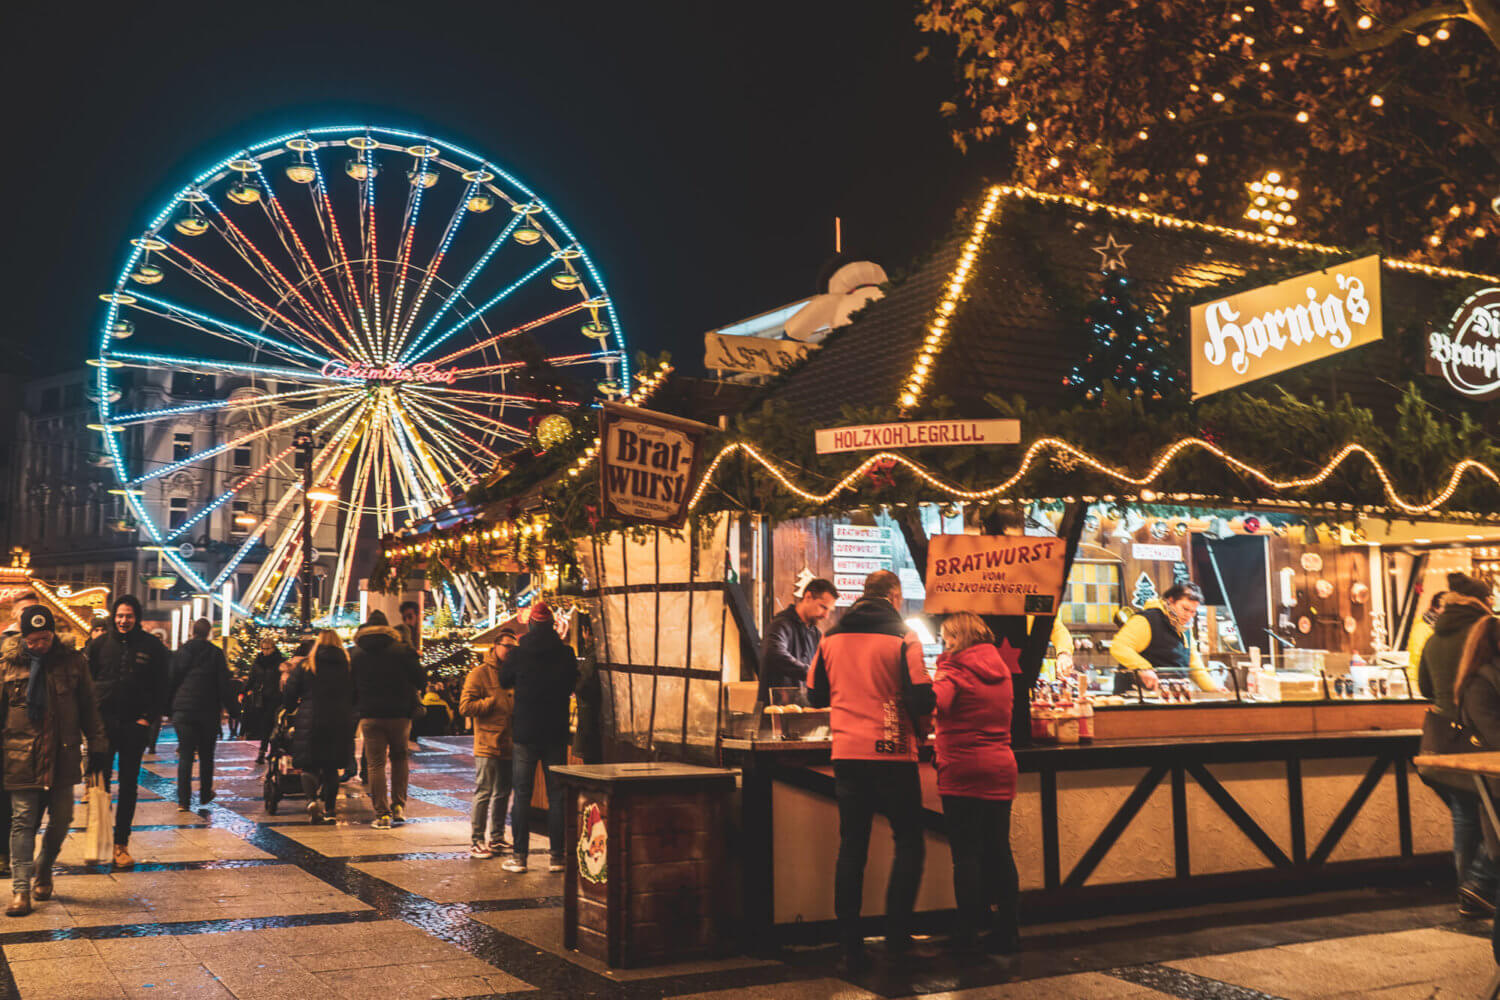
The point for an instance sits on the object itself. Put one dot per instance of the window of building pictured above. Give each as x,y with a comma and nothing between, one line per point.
177,512
50,398
240,509
242,458
73,396
192,385
1093,594
182,445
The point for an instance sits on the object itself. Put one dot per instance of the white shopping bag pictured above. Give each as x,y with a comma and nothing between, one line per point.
98,833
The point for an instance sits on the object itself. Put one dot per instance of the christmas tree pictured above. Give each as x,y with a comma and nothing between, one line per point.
1127,346
1145,591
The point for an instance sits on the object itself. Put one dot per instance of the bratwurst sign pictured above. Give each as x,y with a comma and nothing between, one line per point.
994,574
648,464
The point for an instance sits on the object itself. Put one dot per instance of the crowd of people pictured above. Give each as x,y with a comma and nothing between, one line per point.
332,710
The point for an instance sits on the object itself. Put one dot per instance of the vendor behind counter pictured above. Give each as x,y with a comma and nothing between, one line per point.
1160,638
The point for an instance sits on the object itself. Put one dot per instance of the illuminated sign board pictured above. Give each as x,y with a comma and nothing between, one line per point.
391,373
1467,354
1271,329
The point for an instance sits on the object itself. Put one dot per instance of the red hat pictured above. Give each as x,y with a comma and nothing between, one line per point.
540,612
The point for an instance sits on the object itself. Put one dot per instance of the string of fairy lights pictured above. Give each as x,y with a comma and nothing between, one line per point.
1396,503
1041,446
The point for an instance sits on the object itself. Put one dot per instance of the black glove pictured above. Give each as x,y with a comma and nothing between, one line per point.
99,761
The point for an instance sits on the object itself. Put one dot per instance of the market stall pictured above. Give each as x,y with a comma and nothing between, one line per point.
1026,385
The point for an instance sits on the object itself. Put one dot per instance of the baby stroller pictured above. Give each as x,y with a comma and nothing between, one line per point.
282,778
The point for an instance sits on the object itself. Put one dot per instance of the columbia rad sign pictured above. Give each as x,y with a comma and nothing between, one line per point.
648,464
1467,354
1266,330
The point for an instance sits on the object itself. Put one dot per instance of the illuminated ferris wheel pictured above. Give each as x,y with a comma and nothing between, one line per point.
407,302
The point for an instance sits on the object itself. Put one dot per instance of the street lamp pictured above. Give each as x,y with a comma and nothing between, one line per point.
303,442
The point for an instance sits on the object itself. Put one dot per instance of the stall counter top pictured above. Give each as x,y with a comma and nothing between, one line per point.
1134,752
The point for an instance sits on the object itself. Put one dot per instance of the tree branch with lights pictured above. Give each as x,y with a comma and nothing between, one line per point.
1384,115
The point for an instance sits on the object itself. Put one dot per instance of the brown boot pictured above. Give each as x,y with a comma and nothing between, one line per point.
123,858
20,905
41,886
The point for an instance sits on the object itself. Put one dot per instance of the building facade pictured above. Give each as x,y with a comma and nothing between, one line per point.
66,503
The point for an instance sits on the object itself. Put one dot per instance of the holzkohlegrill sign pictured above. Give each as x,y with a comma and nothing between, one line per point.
1467,354
648,464
1271,329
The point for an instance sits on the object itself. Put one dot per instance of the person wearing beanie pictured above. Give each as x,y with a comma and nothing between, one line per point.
129,670
47,704
542,671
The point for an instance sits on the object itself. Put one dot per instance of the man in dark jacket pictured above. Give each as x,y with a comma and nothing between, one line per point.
387,675
199,688
792,639
129,667
543,672
46,704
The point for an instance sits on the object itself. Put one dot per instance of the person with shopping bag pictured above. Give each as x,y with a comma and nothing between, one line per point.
47,703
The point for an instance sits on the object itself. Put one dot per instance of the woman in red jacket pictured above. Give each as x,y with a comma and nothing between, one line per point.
976,773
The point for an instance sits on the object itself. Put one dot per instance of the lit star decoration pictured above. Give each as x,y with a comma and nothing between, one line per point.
1112,254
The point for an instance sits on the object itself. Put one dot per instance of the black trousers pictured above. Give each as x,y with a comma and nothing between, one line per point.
893,788
127,741
196,737
984,871
322,783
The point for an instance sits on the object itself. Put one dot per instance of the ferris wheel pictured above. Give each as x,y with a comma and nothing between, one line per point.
407,303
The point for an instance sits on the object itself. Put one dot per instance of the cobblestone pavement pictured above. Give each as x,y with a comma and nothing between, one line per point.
233,902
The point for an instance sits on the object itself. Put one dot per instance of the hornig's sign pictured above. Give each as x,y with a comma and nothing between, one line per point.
1247,336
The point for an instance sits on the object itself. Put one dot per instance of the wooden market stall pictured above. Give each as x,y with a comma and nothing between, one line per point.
1313,511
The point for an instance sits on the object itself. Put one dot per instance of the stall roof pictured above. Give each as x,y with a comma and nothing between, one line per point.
1009,332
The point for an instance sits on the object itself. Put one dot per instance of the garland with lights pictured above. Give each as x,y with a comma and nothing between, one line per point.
1062,462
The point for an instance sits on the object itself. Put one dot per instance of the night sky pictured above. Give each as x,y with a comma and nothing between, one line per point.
699,149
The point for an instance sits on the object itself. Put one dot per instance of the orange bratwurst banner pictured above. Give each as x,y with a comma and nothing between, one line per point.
994,574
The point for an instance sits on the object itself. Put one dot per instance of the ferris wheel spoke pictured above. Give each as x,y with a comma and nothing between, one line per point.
221,328
412,353
451,451
263,526
371,243
274,399
404,242
428,464
490,398
211,366
306,265
501,428
558,361
459,214
515,331
328,221
283,287
254,435
462,286
247,480
247,300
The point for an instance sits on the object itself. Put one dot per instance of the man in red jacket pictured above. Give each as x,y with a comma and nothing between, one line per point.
858,674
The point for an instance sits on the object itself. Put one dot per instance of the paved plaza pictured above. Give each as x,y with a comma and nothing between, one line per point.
233,902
